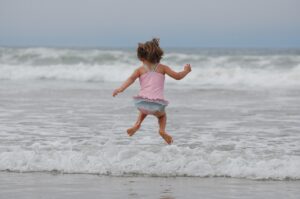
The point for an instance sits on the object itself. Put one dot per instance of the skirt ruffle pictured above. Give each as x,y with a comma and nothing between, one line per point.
160,101
149,106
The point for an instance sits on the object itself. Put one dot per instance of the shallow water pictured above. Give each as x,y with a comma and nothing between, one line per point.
77,127
236,114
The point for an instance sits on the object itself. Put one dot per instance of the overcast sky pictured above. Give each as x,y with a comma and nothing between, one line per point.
123,23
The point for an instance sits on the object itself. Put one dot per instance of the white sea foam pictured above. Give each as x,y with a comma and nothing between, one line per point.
167,161
216,70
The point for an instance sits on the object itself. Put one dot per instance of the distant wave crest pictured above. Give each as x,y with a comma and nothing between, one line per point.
216,70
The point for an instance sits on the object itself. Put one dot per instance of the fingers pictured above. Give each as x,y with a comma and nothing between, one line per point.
188,67
115,93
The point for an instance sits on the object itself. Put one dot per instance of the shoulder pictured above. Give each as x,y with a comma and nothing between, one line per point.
139,70
163,68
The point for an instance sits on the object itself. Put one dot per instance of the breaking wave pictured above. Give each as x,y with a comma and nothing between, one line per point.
216,69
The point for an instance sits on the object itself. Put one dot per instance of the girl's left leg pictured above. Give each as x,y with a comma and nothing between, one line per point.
137,125
162,121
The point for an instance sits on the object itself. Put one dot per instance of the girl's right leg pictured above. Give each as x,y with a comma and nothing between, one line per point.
137,125
162,120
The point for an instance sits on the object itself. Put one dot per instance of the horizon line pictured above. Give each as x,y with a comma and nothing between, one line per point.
164,47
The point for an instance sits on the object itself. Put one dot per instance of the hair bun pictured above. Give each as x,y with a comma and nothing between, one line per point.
156,41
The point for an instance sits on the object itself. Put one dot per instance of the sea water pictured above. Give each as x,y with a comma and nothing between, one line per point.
237,114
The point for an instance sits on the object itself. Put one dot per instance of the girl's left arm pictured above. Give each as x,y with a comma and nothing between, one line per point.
127,83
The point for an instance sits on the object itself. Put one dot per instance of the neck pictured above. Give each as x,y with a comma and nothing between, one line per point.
148,63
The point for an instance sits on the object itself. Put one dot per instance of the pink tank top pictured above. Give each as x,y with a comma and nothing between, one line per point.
152,85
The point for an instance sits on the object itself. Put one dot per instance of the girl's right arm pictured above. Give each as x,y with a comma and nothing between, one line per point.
127,83
178,75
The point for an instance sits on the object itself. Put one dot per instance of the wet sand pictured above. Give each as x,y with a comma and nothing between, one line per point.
49,185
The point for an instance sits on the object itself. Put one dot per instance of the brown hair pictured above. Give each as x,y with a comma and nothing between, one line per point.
150,51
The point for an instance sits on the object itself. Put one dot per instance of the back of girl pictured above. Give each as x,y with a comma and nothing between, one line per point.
150,99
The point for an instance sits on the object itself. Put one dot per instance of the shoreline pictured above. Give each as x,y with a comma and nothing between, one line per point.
49,185
132,175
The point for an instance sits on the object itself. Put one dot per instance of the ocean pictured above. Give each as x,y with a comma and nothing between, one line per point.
236,116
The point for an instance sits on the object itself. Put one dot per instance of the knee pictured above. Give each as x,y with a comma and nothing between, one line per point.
144,115
160,114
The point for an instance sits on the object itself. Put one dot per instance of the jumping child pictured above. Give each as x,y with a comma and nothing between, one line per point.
150,100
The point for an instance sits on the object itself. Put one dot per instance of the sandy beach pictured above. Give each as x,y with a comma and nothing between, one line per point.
50,186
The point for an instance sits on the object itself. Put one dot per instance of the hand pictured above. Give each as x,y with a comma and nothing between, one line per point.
187,68
116,92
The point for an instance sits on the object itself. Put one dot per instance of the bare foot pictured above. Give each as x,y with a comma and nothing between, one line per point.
166,137
132,130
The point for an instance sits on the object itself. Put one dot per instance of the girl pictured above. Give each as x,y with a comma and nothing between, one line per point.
150,100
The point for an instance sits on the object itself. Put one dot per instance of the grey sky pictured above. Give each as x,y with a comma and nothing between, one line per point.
188,23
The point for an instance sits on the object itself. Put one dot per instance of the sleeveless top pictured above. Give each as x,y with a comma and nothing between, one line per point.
152,86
